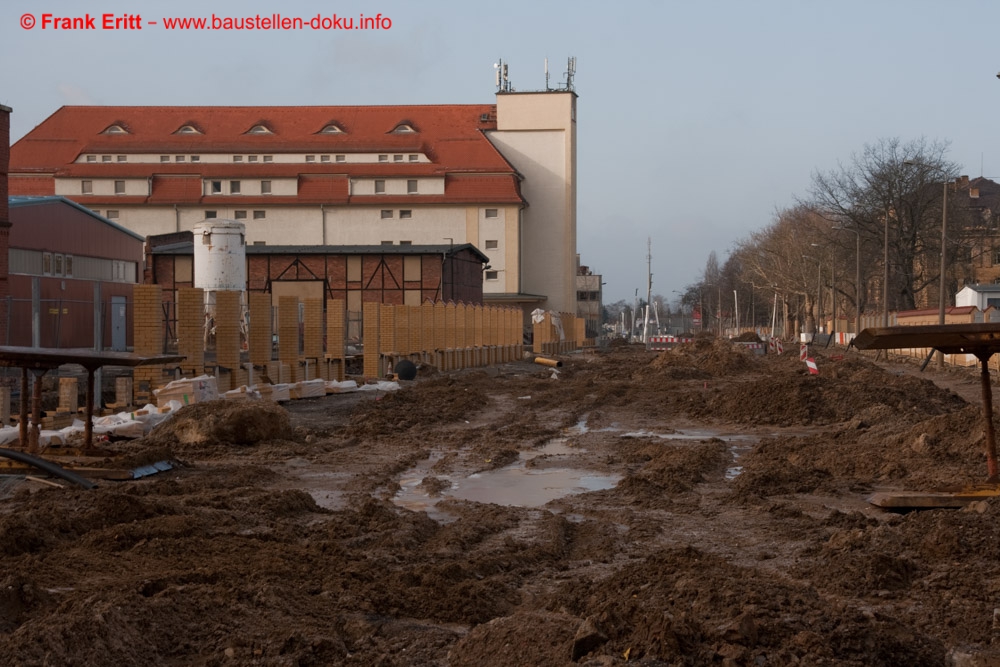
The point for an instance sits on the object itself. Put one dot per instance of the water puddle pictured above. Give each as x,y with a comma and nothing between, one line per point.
693,434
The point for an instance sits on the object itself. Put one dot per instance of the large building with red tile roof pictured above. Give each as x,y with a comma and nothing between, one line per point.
501,177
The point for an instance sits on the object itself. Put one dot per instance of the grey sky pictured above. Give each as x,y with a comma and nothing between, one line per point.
696,120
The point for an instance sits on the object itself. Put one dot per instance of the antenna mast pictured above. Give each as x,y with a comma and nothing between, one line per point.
502,81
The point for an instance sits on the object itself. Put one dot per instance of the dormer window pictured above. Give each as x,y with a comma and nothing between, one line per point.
260,129
332,128
403,128
187,129
117,128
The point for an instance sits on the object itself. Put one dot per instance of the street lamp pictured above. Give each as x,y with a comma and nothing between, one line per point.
819,292
944,239
857,279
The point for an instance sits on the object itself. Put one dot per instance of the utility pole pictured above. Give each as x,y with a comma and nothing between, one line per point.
649,286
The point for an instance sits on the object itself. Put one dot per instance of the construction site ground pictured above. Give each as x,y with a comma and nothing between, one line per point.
702,506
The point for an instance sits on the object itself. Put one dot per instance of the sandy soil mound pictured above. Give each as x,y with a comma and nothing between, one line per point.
202,425
708,355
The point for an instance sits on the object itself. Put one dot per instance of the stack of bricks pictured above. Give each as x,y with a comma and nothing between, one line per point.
335,338
191,330
312,338
370,331
288,338
4,406
259,343
228,312
69,401
123,392
147,327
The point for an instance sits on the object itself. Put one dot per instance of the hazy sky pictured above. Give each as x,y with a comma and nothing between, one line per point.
695,120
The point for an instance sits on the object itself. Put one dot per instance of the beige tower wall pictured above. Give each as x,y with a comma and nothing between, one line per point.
536,132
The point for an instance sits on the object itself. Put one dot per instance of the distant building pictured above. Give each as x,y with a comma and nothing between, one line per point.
980,296
62,259
589,299
500,177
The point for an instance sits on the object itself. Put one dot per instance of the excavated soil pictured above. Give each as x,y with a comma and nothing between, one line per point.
715,515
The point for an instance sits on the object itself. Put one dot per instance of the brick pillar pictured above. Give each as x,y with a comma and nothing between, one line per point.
427,331
460,343
191,329
477,333
416,330
312,343
370,331
69,395
147,327
123,392
260,328
402,330
288,337
439,334
387,329
335,325
228,310
450,329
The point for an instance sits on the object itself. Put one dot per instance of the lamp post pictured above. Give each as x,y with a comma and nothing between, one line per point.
857,279
819,293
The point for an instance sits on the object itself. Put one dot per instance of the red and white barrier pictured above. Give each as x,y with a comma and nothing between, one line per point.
660,343
813,368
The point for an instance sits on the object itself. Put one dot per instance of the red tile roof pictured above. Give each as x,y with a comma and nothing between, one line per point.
451,136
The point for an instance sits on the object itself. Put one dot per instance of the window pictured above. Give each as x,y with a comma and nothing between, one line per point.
403,128
397,158
595,296
340,158
251,158
383,158
58,264
196,158
268,158
112,214
996,256
379,186
405,213
164,158
86,187
115,129
414,158
187,129
492,275
386,213
324,158
179,158
491,213
122,158
581,296
386,242
47,263
411,186
265,187
105,158
260,243
332,128
237,158
68,266
491,244
240,215
91,158
259,129
310,158
234,187
406,243
216,187
259,215
211,215
119,187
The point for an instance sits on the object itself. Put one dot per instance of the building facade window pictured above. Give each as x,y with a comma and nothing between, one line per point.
112,214
68,266
340,158
259,215
179,158
216,187
397,158
211,215
240,215
386,213
406,243
105,158
383,158
47,263
237,158
164,158
234,187
405,213
119,187
310,158
491,213
196,158
86,187
491,244
411,186
414,158
268,158
122,158
251,158
91,158
265,187
324,158
492,275
57,264
379,186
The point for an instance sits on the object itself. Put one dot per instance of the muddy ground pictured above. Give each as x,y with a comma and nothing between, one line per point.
696,507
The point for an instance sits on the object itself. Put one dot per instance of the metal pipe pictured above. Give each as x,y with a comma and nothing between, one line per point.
554,363
48,467
988,432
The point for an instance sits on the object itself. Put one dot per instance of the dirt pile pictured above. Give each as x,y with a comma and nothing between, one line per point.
706,355
202,426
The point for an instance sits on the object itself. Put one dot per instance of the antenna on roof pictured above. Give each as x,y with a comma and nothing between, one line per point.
570,72
547,74
503,83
